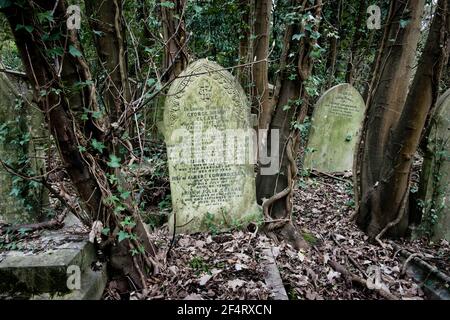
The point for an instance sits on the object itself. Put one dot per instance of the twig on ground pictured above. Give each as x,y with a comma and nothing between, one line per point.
350,276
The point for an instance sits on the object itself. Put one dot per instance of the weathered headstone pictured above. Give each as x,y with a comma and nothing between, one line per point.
336,124
207,128
435,179
20,200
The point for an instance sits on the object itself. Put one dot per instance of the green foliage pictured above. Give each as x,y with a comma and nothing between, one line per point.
75,52
433,208
310,238
114,161
210,222
15,136
199,265
212,21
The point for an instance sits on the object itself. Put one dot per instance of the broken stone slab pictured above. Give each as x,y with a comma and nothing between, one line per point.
44,271
93,284
434,283
272,276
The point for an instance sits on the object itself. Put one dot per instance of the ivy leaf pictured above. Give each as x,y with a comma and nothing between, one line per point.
74,52
298,36
47,15
97,145
404,23
105,231
168,4
15,192
125,195
55,52
122,235
114,162
96,114
29,29
151,82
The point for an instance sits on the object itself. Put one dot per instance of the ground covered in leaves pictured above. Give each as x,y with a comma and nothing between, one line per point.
230,265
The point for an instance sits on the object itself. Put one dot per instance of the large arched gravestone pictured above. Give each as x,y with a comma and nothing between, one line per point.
335,127
207,128
435,179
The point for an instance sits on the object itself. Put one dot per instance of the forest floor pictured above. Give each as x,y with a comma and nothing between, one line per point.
229,265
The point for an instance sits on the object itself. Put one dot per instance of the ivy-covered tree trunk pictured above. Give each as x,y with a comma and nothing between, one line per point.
106,21
64,91
275,191
243,73
174,34
397,119
260,49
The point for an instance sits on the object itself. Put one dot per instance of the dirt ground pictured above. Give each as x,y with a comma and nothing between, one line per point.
229,265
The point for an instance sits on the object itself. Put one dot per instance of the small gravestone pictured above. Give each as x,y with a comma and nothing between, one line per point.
207,128
336,124
20,200
435,179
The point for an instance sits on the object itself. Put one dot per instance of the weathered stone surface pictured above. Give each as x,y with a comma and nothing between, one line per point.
336,124
45,271
93,284
212,180
18,127
40,269
435,179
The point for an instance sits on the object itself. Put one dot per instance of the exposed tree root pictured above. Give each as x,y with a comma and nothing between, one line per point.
356,279
397,220
268,202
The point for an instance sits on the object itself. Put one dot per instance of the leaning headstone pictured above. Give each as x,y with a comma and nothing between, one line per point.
207,128
20,200
435,179
335,126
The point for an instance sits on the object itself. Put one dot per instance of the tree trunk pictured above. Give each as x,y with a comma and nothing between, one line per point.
291,107
244,44
333,45
384,202
106,19
55,80
261,32
385,101
357,35
176,57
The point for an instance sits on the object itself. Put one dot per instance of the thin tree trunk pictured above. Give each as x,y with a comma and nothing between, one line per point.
244,44
261,32
357,35
106,19
334,42
176,55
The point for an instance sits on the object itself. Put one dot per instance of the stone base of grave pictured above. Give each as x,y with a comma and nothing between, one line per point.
202,221
40,271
